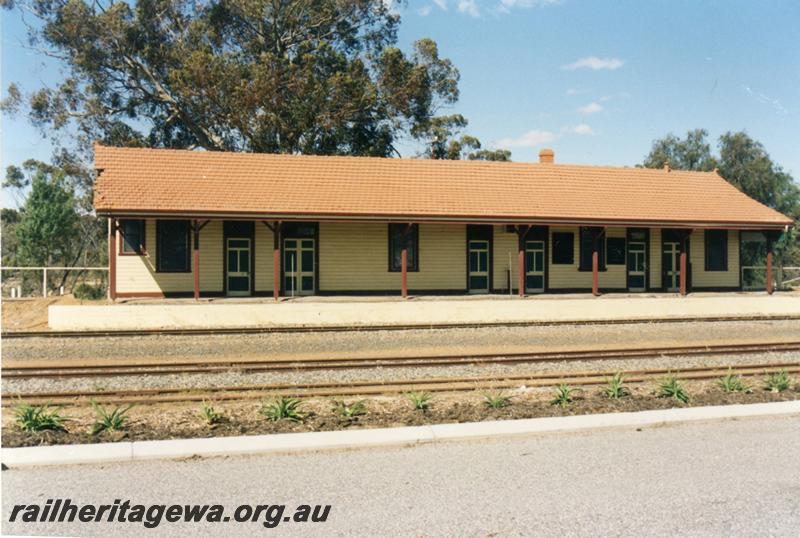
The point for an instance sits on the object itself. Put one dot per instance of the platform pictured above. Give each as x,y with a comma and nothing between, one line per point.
428,311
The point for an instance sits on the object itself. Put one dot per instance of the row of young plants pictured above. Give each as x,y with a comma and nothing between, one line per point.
33,418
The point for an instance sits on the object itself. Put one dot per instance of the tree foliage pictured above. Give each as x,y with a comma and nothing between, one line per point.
279,76
741,160
442,141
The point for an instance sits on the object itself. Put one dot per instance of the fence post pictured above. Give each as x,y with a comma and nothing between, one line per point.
44,282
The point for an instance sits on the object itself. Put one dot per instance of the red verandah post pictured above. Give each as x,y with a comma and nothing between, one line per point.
683,272
595,272
404,271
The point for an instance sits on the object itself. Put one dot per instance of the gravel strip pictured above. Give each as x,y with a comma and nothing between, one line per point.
189,381
404,343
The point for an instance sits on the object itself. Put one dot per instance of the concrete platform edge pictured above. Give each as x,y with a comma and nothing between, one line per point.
353,439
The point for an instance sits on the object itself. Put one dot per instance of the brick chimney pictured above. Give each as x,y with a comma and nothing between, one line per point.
547,156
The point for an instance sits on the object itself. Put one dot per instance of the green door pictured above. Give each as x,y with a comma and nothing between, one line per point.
479,266
534,266
238,269
298,267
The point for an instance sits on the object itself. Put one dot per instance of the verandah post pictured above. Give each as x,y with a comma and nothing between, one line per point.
595,271
404,262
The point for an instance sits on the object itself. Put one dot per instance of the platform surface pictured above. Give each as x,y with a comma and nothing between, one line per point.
355,312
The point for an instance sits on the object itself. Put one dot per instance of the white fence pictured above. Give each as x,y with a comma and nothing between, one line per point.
19,282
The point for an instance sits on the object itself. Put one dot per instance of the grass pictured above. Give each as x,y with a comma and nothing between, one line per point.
38,418
615,388
670,387
210,415
777,381
496,400
109,420
420,400
350,411
283,408
731,382
563,395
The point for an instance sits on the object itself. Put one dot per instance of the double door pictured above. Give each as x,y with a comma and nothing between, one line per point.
299,259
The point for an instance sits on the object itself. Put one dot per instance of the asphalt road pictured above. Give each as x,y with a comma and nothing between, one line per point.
732,478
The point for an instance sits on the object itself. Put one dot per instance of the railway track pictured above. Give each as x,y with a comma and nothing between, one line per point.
346,328
75,368
367,388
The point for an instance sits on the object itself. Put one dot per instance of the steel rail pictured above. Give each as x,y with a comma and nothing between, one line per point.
76,368
356,328
365,388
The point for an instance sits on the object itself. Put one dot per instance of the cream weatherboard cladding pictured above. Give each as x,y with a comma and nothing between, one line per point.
353,257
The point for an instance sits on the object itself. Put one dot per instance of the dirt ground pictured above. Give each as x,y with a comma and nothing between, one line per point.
31,314
174,421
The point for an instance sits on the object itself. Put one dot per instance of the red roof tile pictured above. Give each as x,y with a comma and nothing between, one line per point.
199,183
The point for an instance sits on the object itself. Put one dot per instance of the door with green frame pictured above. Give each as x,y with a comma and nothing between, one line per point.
299,258
534,266
238,275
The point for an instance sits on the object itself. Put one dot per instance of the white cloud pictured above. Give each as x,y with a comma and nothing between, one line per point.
508,4
441,3
766,99
424,11
575,91
591,108
530,139
581,129
469,7
594,63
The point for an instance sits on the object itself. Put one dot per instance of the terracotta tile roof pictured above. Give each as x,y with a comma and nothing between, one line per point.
197,183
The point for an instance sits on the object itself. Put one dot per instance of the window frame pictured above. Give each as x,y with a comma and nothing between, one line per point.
159,227
141,250
601,250
555,240
624,250
706,248
413,246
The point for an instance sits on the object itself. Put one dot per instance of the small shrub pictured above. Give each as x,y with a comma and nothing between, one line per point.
615,387
777,381
37,418
112,421
563,395
420,400
349,411
496,400
283,408
210,415
87,292
670,387
731,382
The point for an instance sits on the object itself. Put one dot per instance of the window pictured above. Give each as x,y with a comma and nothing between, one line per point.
563,248
396,232
615,251
132,241
716,250
587,240
172,249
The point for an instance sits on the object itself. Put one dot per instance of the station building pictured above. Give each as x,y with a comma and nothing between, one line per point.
204,224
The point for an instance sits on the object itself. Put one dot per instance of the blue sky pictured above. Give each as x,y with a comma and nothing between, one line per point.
595,80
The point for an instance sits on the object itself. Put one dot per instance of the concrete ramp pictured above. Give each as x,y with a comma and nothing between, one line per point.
357,313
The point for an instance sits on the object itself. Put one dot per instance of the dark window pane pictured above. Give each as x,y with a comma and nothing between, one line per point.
290,261
307,258
563,248
615,250
308,283
238,283
173,245
132,236
478,282
588,238
716,250
534,282
636,281
396,246
244,261
233,261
